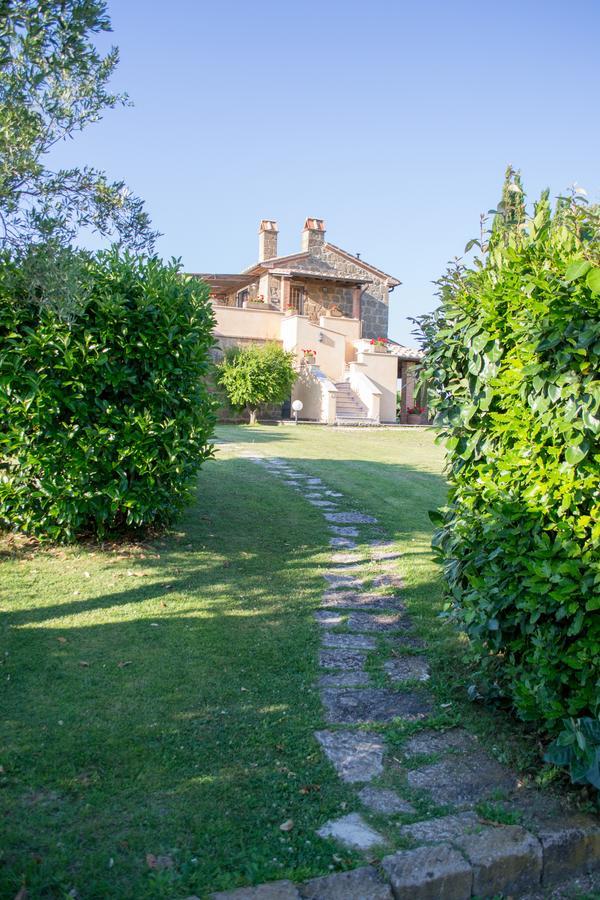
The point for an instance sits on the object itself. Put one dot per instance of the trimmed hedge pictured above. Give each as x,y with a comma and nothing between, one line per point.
105,414
513,363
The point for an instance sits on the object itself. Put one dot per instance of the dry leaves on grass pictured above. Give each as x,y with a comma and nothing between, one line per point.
287,825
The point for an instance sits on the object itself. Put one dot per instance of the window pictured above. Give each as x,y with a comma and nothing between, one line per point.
297,298
242,297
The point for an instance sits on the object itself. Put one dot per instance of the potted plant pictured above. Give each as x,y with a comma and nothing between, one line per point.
379,345
416,415
310,357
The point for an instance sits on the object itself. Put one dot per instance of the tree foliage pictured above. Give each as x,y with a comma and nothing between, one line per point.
105,416
255,376
53,83
513,360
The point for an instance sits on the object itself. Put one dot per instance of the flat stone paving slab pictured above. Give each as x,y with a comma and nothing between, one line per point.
372,705
382,800
364,621
350,518
407,668
347,559
386,580
346,660
359,884
276,890
343,531
429,873
506,860
344,679
463,780
355,600
343,542
429,741
322,504
329,619
442,830
337,580
351,831
349,641
355,755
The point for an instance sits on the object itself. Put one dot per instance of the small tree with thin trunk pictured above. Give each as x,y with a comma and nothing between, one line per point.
256,375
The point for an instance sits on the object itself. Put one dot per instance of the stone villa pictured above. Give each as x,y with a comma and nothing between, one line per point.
330,308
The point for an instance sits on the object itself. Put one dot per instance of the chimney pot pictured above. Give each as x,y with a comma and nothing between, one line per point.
267,239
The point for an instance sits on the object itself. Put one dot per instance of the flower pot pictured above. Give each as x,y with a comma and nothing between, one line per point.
414,419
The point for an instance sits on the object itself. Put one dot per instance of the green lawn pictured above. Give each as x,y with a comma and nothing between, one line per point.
159,698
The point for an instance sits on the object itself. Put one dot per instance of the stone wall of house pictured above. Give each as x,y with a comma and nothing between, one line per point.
375,299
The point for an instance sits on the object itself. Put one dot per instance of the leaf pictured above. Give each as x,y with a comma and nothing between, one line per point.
577,269
574,455
84,664
287,825
593,280
124,663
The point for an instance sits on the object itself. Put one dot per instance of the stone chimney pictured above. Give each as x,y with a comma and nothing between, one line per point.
313,235
267,240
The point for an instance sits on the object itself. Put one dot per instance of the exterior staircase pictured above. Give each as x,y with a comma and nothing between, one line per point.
350,410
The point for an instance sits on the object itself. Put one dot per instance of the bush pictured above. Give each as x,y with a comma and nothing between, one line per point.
513,360
105,414
256,375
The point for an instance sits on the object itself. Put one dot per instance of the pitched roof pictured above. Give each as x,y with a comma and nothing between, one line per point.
393,282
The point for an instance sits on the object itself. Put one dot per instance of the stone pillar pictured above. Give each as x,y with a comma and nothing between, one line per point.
407,394
356,295
285,293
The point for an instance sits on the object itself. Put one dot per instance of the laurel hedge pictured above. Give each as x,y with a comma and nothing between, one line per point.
105,416
513,364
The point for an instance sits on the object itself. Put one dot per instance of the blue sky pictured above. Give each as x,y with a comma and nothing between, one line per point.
393,121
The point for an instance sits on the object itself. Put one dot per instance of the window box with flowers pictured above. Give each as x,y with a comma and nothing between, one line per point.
379,345
416,415
255,303
309,357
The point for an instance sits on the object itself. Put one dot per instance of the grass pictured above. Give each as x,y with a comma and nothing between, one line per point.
158,699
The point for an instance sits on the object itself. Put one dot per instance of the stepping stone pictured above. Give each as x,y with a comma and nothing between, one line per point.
429,873
346,660
343,531
358,884
354,600
314,481
355,755
387,581
347,559
441,830
463,780
350,518
364,621
324,504
382,551
351,831
336,580
276,890
329,619
381,800
344,679
372,705
407,668
407,639
348,641
342,542
429,741
313,496
506,860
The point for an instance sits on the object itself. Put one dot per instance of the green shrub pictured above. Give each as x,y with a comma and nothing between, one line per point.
513,360
105,415
254,376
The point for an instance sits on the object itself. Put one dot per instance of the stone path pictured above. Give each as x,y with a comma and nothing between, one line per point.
453,853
